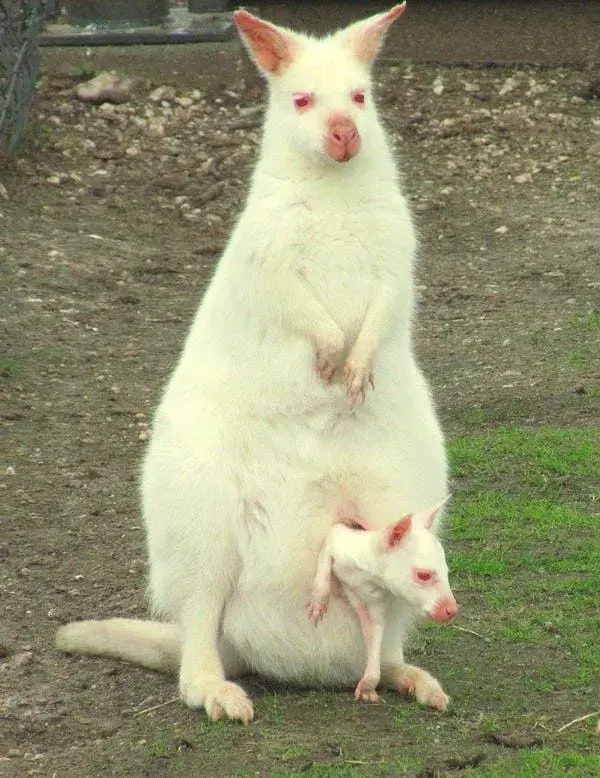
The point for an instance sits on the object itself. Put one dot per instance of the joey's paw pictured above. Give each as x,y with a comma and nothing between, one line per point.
365,692
357,378
316,610
423,686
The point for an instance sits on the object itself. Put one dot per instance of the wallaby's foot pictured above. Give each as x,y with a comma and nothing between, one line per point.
219,698
408,679
357,378
316,608
365,691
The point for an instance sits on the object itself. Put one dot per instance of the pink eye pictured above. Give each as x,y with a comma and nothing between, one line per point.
424,575
302,100
358,97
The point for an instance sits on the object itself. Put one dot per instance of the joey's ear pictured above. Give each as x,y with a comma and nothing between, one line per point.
395,532
365,38
272,48
427,516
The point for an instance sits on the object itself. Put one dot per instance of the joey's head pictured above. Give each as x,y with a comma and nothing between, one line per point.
413,565
321,103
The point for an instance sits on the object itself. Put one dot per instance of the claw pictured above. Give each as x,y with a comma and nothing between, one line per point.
358,380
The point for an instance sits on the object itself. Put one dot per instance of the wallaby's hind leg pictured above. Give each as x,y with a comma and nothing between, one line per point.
202,680
408,679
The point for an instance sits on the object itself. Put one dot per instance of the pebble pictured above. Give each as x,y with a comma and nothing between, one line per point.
162,93
524,178
105,87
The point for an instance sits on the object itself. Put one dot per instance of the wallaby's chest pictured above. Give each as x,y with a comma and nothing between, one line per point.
340,253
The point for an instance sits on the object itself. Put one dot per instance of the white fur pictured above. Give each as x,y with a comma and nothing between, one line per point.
251,450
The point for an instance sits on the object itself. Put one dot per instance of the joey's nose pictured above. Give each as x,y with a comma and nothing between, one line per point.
343,140
445,609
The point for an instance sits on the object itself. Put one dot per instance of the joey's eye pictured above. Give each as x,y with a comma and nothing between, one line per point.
302,100
358,97
424,575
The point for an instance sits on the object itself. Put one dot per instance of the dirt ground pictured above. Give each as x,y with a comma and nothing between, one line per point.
110,224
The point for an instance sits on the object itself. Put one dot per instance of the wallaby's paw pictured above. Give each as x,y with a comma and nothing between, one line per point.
229,699
328,357
357,378
326,363
365,691
316,610
219,698
423,686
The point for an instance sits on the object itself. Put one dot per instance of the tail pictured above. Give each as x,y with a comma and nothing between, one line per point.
151,644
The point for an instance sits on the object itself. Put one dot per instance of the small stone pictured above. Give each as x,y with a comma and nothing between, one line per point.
156,128
10,470
514,120
507,86
105,87
22,659
250,110
184,102
501,230
438,85
594,149
132,151
162,93
524,178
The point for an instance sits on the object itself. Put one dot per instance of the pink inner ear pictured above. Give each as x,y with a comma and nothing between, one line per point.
368,36
398,530
271,47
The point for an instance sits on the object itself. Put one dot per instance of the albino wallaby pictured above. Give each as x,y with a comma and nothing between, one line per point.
404,560
259,438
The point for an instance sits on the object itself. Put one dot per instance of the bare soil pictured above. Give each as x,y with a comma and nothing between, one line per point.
111,224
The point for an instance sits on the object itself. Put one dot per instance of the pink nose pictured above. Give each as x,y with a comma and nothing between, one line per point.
342,141
445,609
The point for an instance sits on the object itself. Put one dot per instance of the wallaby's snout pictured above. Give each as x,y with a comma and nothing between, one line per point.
343,139
445,609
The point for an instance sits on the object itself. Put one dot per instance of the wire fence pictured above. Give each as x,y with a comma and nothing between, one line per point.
20,24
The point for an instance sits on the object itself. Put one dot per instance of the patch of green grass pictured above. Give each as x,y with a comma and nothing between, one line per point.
351,768
590,322
273,709
529,547
531,456
159,746
540,763
9,368
579,358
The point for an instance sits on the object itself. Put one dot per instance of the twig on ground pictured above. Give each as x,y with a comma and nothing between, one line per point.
576,721
361,762
156,707
471,632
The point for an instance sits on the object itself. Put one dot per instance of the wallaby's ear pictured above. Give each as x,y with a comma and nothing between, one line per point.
395,532
272,48
428,515
365,38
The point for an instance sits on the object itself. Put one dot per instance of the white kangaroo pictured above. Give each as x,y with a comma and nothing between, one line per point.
403,560
260,440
